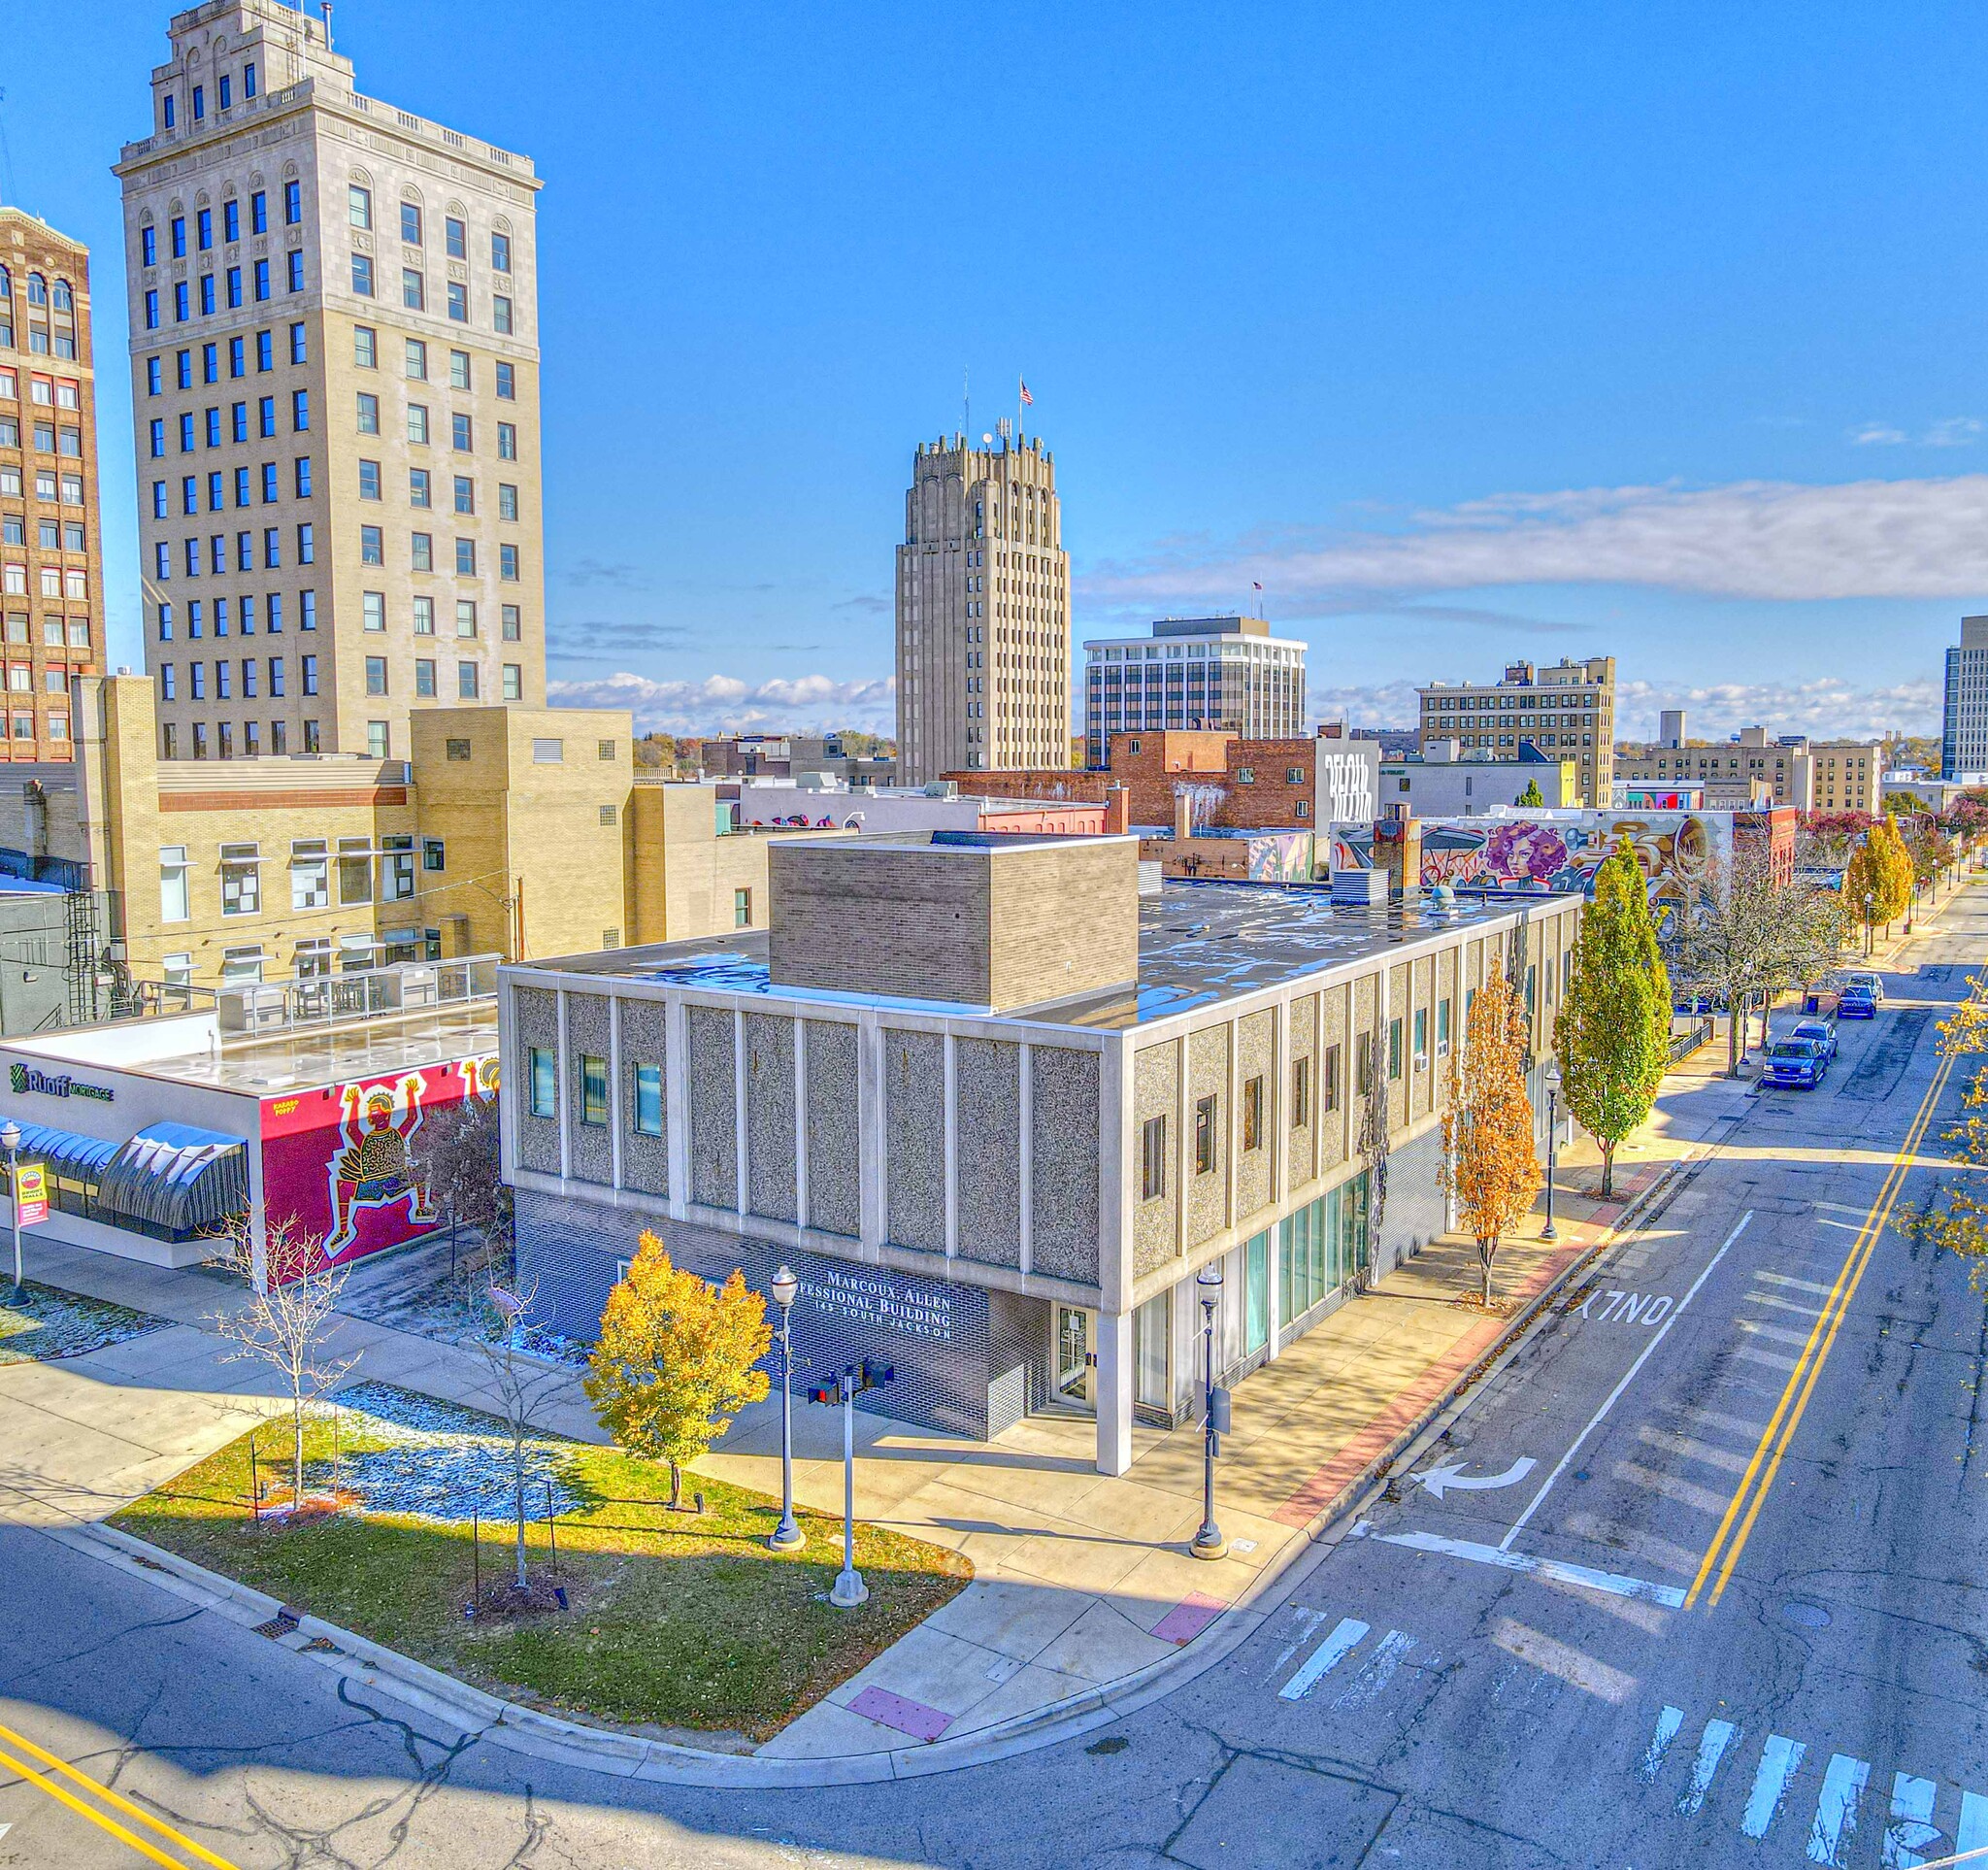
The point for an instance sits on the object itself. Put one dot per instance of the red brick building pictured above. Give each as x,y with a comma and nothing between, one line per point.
1231,784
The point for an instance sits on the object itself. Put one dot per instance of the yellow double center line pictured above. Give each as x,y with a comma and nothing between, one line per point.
12,1741
1730,1541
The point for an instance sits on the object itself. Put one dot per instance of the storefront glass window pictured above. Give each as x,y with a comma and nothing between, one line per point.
1149,1351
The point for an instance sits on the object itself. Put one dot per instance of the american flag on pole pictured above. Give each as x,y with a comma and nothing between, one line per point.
1254,585
1028,401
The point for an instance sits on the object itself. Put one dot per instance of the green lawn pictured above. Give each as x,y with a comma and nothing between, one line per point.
675,1620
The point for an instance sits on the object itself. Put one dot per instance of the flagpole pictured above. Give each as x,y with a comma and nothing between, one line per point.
966,401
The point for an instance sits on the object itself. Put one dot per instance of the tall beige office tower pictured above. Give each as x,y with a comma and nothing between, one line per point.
335,393
982,613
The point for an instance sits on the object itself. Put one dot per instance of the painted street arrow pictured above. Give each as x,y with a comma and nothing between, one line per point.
1447,1476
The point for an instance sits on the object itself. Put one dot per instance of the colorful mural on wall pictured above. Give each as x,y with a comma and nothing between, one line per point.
339,1159
1280,856
1677,849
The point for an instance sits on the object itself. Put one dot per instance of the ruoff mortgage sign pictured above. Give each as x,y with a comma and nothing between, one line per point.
25,1077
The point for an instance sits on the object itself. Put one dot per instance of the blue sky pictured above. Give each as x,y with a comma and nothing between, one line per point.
1473,332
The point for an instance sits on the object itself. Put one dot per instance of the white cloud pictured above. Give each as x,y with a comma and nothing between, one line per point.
724,704
1754,539
1879,435
1826,708
1955,431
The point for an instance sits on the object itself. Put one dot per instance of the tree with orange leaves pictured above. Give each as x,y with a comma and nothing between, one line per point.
1490,1167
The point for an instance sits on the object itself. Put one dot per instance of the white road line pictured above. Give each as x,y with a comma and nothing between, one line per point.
1655,1753
1345,1638
1711,1749
1595,1421
1799,1285
1779,1760
1836,1811
1307,1621
1972,1834
1672,1596
1379,1669
1911,1823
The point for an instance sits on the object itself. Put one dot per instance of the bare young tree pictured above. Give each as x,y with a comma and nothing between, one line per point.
456,1158
1749,931
292,1297
523,1382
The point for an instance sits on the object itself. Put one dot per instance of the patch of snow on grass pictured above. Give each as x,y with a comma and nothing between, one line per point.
441,1461
42,1323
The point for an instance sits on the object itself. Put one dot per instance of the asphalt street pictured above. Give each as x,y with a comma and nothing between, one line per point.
1695,1582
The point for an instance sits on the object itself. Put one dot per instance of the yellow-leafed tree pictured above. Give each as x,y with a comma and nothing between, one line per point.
676,1360
1489,1163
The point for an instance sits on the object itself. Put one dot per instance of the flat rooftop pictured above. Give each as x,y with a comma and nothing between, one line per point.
1198,943
304,1058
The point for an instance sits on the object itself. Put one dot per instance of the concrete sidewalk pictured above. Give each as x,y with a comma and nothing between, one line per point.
1081,1580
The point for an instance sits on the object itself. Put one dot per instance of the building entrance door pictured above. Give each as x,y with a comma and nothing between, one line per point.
1075,1374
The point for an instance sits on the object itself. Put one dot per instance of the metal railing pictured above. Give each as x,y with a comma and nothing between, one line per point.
258,1009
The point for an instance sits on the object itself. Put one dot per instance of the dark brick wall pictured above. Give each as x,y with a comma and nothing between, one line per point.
952,1346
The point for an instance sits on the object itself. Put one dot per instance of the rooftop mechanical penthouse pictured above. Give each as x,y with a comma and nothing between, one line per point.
997,1108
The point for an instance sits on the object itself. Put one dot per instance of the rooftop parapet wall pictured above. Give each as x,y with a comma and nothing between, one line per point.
984,921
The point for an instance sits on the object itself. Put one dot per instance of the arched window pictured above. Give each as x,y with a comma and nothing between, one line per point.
6,286
6,309
37,289
65,300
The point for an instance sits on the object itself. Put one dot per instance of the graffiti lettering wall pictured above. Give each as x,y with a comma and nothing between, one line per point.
1676,850
338,1159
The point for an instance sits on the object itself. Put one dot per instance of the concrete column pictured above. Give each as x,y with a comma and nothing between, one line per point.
801,1122
677,1102
565,1082
1025,1159
617,1117
1113,1387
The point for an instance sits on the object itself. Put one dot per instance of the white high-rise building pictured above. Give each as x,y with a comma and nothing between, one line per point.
982,613
334,397
1963,724
1226,674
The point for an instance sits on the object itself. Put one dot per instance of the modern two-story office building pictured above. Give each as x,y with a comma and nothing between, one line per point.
997,1109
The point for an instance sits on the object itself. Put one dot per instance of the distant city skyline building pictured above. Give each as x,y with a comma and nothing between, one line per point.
334,399
52,589
1752,768
982,612
1568,710
1963,720
1226,674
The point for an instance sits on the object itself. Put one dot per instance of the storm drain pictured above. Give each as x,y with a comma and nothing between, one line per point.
282,1623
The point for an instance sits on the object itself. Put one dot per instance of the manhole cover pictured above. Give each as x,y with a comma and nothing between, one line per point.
1811,1617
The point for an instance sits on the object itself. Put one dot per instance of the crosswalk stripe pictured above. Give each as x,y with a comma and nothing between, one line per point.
1711,1749
1972,1834
1345,1637
1652,1762
1779,1760
1912,1822
1836,1811
1379,1668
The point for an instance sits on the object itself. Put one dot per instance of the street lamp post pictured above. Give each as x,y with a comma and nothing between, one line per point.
1549,1231
9,1141
1870,911
848,1590
786,1536
1208,1542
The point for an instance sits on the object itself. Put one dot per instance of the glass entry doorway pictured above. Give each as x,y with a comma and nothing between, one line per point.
1074,1350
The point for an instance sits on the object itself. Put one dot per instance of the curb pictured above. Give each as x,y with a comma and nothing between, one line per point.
531,1732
